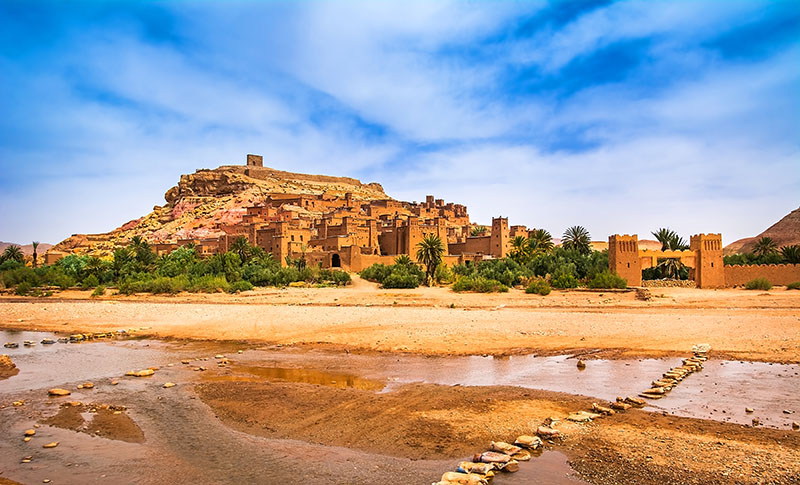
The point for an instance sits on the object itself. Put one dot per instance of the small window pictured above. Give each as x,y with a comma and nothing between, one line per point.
301,237
629,265
712,264
292,237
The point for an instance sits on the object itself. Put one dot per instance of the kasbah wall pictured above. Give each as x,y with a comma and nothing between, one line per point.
704,258
777,274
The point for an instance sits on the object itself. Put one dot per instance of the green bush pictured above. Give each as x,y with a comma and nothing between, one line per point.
403,277
479,284
443,274
23,288
99,291
240,285
758,284
209,284
793,286
606,280
340,278
89,282
377,272
564,281
538,286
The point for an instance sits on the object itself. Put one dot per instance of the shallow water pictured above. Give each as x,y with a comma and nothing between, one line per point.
208,450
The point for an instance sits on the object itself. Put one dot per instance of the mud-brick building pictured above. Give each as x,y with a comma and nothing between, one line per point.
284,239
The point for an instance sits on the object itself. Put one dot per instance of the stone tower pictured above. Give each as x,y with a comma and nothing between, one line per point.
709,267
623,258
500,237
255,160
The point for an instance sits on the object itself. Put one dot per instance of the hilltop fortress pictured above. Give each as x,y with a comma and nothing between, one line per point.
337,222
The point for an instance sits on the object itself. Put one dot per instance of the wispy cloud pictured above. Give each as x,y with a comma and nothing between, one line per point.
621,116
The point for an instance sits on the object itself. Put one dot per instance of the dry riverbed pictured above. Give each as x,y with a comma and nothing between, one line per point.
329,389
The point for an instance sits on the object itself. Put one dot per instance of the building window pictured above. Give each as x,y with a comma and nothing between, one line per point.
629,265
712,264
292,237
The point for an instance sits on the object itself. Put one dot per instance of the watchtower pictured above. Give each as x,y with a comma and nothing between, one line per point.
623,258
255,160
499,239
709,267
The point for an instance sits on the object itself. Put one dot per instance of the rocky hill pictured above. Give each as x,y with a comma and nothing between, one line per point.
27,249
206,199
785,232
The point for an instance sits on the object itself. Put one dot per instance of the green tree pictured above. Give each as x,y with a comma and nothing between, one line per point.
670,240
765,246
403,260
578,238
521,249
241,246
670,268
13,253
35,245
540,240
791,254
429,253
478,231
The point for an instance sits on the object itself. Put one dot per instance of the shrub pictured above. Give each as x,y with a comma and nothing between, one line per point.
89,282
606,280
99,291
23,288
402,277
377,272
538,286
340,277
479,284
758,284
209,284
240,285
793,286
564,281
165,284
443,274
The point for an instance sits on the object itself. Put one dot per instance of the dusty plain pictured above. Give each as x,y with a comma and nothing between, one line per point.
418,431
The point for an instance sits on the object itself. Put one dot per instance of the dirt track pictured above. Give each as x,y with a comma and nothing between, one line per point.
738,324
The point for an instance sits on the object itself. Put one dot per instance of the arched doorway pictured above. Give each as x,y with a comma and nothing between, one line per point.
336,261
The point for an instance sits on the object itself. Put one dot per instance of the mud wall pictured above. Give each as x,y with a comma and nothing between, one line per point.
777,274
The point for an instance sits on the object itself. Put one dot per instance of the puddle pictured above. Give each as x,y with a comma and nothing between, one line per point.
549,467
306,376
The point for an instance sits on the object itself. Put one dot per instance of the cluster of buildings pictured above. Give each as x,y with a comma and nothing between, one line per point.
341,232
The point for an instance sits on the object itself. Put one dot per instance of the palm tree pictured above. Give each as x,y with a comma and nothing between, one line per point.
403,260
578,238
670,267
429,253
520,248
478,231
13,253
35,245
94,265
241,246
791,254
670,240
541,240
765,246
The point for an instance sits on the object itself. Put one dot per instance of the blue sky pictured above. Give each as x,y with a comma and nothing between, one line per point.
619,116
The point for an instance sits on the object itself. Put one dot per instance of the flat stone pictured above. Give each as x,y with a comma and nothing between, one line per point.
30,432
50,445
59,392
167,385
530,442
140,373
582,416
547,432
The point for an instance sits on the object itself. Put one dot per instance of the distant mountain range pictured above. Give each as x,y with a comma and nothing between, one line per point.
27,249
785,232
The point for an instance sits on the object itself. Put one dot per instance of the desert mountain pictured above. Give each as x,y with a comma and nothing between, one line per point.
204,202
785,232
27,249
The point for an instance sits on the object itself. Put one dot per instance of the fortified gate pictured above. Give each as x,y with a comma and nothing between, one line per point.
703,258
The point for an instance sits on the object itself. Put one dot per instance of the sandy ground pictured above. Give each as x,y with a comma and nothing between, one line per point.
738,324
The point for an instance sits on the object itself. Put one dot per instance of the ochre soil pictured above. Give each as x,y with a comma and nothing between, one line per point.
738,324
104,422
431,421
